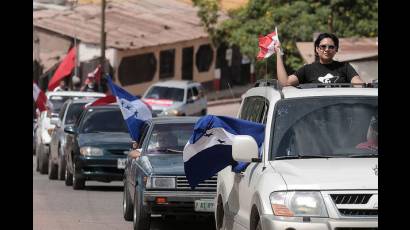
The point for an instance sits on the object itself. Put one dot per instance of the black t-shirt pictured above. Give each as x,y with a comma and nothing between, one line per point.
335,72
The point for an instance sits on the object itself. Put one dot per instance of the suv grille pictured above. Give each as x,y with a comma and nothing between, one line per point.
358,212
207,185
355,205
351,198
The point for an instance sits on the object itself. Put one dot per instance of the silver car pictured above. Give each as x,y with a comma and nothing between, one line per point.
176,98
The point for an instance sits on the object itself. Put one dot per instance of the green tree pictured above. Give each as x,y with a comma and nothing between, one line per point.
296,21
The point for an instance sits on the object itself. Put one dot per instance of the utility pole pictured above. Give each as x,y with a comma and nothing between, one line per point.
103,34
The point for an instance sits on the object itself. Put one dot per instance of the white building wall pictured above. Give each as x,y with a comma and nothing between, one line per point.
87,52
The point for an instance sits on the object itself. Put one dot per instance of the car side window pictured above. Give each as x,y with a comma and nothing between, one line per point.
144,131
62,111
255,109
246,108
189,93
195,92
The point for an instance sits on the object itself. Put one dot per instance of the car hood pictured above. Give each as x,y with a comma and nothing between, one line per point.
167,164
328,174
104,139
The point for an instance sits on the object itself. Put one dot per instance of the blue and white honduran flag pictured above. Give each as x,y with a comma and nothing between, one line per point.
209,150
134,110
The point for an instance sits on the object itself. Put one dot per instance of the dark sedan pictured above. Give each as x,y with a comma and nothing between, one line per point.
97,146
155,182
68,115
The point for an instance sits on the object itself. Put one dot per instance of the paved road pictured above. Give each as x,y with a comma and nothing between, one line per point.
225,109
98,207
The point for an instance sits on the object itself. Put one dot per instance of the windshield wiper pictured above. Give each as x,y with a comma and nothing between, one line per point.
363,155
302,157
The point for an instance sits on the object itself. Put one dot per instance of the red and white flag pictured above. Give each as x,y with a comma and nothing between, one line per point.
102,101
39,97
267,45
63,70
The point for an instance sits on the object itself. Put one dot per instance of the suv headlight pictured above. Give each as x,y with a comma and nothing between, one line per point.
298,203
161,182
91,151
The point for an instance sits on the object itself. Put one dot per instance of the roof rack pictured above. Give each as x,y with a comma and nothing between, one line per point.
338,85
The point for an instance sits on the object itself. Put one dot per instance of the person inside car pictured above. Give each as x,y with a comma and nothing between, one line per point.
372,136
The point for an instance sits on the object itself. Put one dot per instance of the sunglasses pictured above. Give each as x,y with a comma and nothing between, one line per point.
323,47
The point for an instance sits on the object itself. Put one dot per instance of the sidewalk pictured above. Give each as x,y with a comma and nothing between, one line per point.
227,96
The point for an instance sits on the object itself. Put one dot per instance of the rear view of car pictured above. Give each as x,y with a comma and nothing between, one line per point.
96,148
176,98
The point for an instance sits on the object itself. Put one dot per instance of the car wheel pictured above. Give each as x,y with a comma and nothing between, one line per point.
43,158
52,168
127,207
78,183
61,167
141,218
219,214
203,112
68,177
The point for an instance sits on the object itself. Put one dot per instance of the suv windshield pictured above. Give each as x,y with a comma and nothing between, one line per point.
168,93
103,120
325,127
170,138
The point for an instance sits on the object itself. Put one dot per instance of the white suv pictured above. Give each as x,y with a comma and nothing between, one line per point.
317,168
176,98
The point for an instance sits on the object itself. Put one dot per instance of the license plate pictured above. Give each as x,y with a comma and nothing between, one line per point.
121,163
204,205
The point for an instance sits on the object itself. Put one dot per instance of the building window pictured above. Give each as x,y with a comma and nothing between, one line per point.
166,63
204,58
137,69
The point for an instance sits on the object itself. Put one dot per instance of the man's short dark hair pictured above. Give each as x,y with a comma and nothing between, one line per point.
323,36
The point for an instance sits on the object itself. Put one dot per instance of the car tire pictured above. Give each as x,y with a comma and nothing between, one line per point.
141,218
127,206
43,159
78,183
203,112
52,169
68,177
61,167
219,214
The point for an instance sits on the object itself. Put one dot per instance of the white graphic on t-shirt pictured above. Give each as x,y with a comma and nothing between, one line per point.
328,78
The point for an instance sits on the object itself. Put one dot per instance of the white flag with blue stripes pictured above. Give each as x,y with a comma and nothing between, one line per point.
134,110
209,150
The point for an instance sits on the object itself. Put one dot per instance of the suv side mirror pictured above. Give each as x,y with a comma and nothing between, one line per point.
70,129
245,149
55,121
